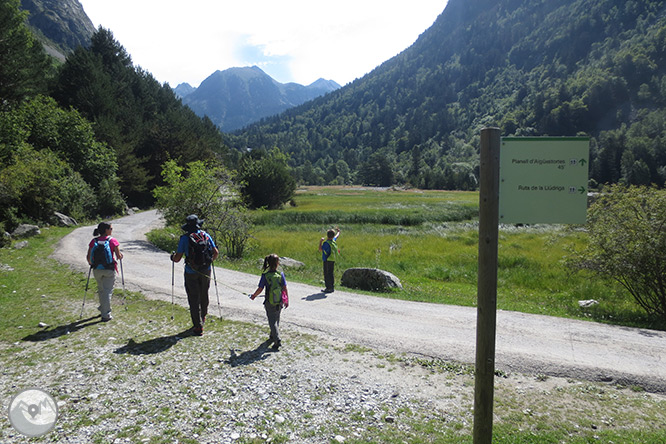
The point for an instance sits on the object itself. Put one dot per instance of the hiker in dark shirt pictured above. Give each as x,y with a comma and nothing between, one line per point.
200,252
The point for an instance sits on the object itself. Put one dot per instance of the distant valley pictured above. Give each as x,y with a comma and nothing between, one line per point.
593,68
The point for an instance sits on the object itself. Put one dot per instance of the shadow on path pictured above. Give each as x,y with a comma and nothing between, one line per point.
152,346
248,357
61,330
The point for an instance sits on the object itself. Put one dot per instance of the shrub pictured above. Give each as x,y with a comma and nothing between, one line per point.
83,184
37,183
233,233
627,241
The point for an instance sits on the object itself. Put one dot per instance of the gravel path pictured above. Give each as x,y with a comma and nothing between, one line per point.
529,344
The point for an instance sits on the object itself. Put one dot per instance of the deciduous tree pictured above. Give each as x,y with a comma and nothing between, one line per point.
267,181
209,191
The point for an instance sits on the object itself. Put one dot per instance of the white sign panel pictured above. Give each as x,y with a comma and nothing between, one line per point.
544,180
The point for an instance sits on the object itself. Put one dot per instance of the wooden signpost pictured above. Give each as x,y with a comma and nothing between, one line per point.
486,285
522,180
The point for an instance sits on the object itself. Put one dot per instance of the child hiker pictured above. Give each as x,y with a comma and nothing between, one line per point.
329,253
100,258
275,284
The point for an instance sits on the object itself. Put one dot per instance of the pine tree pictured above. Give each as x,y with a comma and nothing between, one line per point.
23,63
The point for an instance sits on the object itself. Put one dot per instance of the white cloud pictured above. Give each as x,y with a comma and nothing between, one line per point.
292,40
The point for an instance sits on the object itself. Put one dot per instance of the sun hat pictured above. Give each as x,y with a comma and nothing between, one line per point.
192,223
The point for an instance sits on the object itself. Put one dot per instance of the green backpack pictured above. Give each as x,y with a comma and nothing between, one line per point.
334,250
273,287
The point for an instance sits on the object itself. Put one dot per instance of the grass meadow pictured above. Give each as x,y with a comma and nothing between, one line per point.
429,240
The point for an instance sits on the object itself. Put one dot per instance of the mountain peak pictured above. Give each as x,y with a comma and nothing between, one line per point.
324,84
239,96
183,89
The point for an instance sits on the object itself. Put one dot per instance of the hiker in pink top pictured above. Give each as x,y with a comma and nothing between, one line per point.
100,257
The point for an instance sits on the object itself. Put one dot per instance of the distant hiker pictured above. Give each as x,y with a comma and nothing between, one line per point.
200,252
329,250
275,284
100,257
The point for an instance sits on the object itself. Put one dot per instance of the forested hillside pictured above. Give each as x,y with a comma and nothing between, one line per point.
530,67
143,120
89,136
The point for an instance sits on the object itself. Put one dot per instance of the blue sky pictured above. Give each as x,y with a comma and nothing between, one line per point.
291,40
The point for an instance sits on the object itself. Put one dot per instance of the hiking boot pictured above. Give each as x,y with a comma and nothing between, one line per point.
327,290
197,331
277,345
107,318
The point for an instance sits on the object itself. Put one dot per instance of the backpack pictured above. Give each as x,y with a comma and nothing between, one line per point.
200,254
273,287
100,255
333,255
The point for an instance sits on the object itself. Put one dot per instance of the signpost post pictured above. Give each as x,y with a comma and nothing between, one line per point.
522,180
486,311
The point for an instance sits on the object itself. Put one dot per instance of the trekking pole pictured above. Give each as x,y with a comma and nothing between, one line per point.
85,293
173,265
122,277
219,309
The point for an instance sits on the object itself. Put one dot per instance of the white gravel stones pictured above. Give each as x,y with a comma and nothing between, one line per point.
213,392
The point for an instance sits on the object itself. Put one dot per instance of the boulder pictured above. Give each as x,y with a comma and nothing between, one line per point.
64,220
25,230
20,245
371,279
288,262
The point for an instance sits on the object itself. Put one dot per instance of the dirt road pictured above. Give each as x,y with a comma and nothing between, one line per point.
525,343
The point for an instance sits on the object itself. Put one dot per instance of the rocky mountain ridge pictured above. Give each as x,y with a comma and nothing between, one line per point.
61,25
